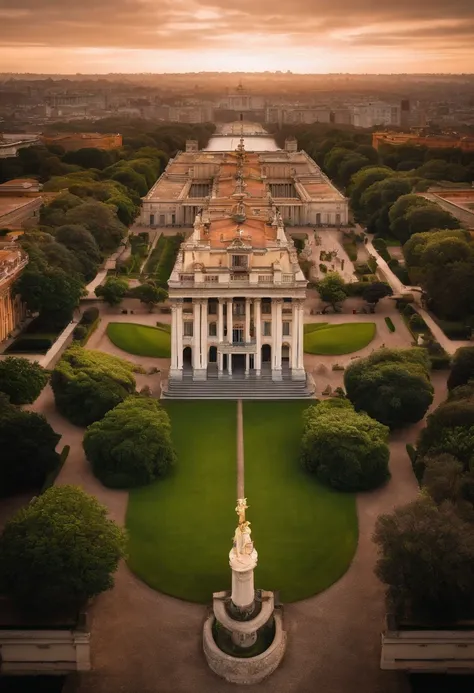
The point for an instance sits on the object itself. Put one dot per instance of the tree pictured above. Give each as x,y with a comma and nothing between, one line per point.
28,448
391,385
375,291
443,263
349,166
53,213
398,211
462,369
89,157
59,551
132,445
363,179
131,179
113,291
87,384
22,380
442,478
102,222
50,292
331,289
345,450
381,193
427,562
149,294
450,429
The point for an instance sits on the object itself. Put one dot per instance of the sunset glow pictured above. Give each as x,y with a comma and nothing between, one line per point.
214,35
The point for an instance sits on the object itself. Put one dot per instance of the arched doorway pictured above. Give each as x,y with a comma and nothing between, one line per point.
187,358
213,354
266,353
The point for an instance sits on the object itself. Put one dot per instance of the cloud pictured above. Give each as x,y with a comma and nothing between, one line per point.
194,25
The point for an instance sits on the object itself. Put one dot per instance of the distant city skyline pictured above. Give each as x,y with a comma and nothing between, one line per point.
304,36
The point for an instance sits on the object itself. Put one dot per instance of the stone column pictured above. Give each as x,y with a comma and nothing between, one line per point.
230,320
204,334
258,335
297,370
248,303
277,331
294,336
301,337
174,340
196,336
180,347
220,336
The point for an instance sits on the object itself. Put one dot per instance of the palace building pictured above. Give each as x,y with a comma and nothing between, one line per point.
237,290
303,194
12,311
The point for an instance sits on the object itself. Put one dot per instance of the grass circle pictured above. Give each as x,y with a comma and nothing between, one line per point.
140,340
345,338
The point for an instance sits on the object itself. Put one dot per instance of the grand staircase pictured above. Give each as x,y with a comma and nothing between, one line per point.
238,387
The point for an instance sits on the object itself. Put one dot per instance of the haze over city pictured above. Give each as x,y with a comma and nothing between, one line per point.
305,36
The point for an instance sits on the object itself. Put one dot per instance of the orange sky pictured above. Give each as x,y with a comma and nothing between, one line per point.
101,36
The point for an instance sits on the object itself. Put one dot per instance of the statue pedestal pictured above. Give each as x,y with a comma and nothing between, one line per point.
243,590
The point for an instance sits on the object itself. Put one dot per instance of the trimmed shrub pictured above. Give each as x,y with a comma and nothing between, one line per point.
132,445
28,445
89,316
391,385
59,551
22,380
25,345
390,325
462,370
345,450
87,384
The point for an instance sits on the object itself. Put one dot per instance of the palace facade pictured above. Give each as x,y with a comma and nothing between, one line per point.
12,311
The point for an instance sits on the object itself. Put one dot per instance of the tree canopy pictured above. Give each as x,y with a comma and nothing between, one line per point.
28,447
59,551
131,445
113,291
344,449
391,385
462,368
149,294
427,562
331,289
51,292
22,380
88,383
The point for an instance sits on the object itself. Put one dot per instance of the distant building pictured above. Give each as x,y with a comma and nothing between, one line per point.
466,144
10,145
295,116
12,310
459,203
376,113
71,142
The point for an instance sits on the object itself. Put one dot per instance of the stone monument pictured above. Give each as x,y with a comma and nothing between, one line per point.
244,619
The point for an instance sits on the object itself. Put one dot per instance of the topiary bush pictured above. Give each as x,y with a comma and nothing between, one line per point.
22,380
87,384
132,445
59,551
345,450
391,385
462,370
28,445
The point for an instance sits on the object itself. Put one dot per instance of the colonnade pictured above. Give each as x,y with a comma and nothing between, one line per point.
11,313
249,341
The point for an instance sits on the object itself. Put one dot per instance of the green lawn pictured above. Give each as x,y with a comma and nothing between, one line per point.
305,534
140,339
338,339
181,527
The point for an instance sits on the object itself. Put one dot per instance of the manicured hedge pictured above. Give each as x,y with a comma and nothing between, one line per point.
27,345
390,325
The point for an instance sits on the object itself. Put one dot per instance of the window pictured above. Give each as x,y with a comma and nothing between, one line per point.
212,308
240,261
213,329
267,329
266,307
286,329
188,328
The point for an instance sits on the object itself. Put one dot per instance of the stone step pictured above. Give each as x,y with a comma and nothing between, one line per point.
237,389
